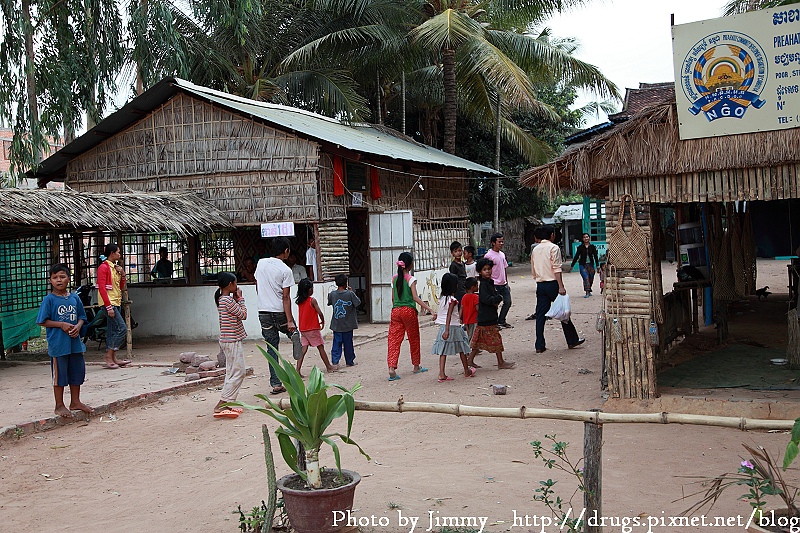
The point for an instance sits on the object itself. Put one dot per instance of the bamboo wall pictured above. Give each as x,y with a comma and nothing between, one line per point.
767,183
630,364
333,248
252,172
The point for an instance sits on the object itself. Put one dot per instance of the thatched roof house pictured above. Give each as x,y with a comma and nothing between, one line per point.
644,159
42,227
365,192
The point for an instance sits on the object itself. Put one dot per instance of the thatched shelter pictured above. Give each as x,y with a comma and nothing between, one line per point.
364,192
43,227
704,180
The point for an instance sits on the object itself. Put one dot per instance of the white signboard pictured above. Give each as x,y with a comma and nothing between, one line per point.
738,74
277,229
358,199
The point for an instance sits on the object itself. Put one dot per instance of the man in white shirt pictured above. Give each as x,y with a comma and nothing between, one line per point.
274,280
546,270
311,260
298,271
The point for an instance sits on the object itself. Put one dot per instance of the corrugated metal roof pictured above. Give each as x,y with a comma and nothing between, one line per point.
359,138
362,138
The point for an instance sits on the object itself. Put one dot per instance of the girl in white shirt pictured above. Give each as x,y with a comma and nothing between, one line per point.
451,339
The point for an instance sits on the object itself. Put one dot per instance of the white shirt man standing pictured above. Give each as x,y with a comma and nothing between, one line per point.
274,280
311,260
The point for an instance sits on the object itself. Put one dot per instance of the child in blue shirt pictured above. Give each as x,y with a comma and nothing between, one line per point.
63,315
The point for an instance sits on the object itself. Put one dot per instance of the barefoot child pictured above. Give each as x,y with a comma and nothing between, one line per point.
469,261
344,302
63,315
469,307
487,334
404,316
451,339
311,322
458,269
231,309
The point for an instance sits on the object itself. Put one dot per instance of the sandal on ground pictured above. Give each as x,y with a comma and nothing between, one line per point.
448,378
473,371
227,413
421,370
394,378
124,362
277,390
111,366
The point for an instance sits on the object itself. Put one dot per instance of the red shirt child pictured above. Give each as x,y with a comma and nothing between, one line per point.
469,306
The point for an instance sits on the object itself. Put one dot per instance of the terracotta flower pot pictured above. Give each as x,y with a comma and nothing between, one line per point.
312,511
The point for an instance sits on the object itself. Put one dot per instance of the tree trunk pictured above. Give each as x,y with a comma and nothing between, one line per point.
139,77
449,71
403,102
312,469
30,82
498,129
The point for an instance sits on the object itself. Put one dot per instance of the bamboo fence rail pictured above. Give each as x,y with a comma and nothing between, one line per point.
595,417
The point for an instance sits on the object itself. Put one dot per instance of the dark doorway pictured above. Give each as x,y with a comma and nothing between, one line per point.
358,248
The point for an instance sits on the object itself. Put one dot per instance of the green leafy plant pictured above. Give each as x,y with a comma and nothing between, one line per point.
792,448
310,414
760,474
555,457
253,521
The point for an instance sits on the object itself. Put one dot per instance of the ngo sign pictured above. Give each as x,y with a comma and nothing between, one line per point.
738,74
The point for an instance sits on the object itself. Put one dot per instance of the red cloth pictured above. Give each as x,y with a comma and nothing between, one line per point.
374,184
469,308
404,320
338,176
308,318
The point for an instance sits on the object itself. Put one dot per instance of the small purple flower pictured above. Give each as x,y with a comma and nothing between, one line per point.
747,464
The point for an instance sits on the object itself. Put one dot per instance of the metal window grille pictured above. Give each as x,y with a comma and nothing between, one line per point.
216,254
24,272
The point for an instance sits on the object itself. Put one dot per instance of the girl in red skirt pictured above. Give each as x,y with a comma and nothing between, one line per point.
404,316
487,334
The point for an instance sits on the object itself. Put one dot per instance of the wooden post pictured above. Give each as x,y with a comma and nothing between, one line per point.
592,472
126,305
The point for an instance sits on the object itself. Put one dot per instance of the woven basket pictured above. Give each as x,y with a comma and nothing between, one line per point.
627,251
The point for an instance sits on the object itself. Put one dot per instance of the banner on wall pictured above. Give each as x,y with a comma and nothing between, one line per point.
738,74
277,229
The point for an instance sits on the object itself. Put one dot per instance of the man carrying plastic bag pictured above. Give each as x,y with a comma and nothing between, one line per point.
546,270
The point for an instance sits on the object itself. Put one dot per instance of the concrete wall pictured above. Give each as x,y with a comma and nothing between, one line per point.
181,312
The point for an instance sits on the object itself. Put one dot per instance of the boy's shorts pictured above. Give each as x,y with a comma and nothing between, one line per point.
311,338
68,370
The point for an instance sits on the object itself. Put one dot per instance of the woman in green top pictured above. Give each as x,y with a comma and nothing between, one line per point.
404,316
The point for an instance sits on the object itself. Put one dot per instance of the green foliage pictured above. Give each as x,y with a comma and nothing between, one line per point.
556,457
476,144
792,448
253,521
734,7
311,413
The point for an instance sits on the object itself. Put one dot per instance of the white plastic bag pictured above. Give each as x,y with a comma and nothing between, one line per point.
559,309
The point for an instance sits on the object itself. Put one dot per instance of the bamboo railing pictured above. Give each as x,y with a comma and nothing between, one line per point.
593,417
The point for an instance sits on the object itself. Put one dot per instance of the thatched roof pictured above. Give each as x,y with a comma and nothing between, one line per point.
649,145
42,209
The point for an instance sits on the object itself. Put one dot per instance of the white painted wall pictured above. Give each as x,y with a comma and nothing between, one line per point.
181,312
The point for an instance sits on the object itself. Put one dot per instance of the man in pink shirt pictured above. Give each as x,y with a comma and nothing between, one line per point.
499,276
546,270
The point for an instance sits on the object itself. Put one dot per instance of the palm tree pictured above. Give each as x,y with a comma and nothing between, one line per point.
486,53
734,7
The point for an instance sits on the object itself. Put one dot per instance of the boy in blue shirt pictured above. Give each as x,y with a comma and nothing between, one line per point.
63,315
344,302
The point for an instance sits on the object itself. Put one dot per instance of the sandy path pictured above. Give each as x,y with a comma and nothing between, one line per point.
171,467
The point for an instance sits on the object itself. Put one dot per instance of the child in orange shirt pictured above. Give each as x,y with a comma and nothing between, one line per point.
469,306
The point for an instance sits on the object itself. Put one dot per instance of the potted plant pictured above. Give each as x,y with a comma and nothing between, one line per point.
762,478
312,495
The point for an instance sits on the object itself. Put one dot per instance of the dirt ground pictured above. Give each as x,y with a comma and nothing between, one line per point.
169,466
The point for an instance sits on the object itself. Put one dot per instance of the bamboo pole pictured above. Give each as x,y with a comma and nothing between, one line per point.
401,406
